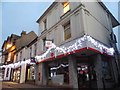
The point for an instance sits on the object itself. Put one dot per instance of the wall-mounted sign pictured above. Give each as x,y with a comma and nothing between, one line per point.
48,43
32,59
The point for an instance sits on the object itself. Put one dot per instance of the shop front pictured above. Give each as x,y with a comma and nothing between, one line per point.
7,73
30,74
58,72
77,64
16,75
2,71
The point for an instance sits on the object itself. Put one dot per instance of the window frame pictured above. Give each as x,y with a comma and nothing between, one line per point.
30,52
44,39
45,24
20,55
67,27
66,4
35,49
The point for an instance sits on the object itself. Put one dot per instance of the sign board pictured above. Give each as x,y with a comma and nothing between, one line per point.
32,60
48,43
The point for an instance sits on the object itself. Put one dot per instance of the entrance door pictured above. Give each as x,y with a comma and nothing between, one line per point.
86,76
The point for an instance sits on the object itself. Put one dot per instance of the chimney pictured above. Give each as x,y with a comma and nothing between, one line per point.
23,33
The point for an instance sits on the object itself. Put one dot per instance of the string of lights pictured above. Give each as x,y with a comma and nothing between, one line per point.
77,45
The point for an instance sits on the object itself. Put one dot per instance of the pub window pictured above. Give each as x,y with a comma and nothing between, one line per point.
67,31
66,7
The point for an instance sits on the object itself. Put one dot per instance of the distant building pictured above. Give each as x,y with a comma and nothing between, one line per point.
15,51
26,48
8,53
82,51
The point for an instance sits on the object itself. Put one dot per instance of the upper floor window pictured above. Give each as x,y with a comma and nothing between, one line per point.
8,45
21,55
17,57
30,52
35,48
67,31
113,37
9,57
66,7
45,24
44,39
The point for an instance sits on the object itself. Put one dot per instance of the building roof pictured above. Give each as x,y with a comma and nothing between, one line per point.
11,38
113,19
32,42
25,40
49,8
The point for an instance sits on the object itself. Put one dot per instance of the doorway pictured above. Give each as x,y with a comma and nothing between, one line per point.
86,76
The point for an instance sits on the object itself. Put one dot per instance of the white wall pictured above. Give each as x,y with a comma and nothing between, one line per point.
26,52
91,19
98,25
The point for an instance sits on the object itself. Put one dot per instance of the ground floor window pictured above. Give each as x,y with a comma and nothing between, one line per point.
58,72
16,74
3,71
86,74
30,72
106,69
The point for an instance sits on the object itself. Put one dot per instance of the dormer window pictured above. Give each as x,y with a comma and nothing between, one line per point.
66,7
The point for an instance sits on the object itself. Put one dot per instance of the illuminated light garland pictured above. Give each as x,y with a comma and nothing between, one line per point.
41,57
18,64
100,46
61,65
78,44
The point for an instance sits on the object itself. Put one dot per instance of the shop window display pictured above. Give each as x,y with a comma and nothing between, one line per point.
106,70
59,73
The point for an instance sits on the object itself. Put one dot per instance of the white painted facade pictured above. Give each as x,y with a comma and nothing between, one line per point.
86,18
25,56
26,53
82,16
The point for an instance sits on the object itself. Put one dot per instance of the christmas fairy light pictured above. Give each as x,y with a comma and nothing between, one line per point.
77,44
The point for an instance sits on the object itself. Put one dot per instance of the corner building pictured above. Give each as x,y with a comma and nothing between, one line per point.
84,56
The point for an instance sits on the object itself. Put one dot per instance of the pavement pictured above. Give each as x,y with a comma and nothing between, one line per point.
25,86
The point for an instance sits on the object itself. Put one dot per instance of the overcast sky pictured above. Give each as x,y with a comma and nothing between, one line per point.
18,16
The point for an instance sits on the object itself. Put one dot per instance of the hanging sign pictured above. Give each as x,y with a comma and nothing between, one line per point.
48,43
